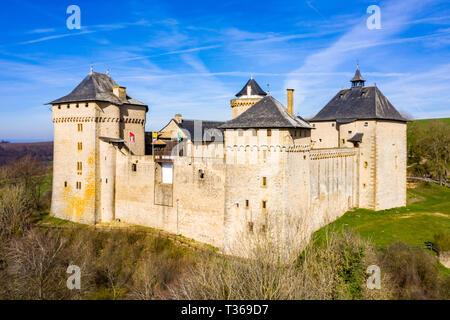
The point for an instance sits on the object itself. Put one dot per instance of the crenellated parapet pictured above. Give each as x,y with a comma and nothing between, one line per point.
98,120
269,147
332,153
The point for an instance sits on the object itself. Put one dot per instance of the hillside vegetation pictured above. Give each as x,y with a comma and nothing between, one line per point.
41,151
429,149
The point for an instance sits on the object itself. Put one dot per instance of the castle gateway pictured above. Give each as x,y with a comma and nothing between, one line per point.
214,181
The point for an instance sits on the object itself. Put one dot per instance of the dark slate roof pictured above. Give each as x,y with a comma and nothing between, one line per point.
255,89
357,76
359,103
96,87
266,113
209,130
357,137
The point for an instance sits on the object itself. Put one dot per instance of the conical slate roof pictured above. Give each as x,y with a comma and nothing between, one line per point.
255,89
96,87
357,76
359,103
266,113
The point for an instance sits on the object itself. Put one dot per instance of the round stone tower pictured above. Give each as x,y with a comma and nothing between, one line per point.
250,94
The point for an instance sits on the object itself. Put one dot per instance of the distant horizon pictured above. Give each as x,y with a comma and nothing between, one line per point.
193,57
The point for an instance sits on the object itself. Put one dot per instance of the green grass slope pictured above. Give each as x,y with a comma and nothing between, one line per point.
427,213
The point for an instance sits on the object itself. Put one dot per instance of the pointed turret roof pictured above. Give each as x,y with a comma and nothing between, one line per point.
255,89
357,76
96,87
266,113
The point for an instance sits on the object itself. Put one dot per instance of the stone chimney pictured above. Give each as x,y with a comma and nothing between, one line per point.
178,118
290,101
120,92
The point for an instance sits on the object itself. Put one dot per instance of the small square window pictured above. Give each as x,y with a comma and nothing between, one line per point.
87,105
332,124
269,132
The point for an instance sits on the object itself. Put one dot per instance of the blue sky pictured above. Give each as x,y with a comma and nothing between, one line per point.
191,57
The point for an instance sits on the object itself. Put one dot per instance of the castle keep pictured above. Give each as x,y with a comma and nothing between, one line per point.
214,181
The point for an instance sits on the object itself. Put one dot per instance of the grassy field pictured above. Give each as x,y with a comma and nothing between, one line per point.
427,213
425,121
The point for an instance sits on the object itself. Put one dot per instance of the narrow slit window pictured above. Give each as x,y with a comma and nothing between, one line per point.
264,181
80,146
264,204
246,203
134,167
80,127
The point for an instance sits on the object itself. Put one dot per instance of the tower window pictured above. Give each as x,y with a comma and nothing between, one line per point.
87,105
80,127
349,132
79,167
65,184
80,146
79,185
264,204
77,105
59,107
332,124
343,141
264,181
134,167
254,132
68,106
240,132
250,226
269,132
366,124
246,203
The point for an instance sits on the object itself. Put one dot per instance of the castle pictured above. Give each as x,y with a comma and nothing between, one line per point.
212,180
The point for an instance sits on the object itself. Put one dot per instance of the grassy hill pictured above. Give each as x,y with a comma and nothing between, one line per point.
426,214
